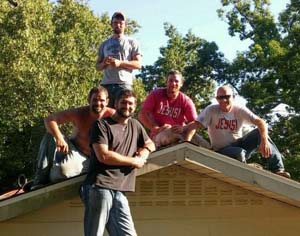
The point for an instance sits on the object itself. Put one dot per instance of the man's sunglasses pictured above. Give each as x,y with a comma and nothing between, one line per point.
223,97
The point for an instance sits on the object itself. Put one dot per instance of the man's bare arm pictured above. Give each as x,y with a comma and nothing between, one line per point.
113,158
191,128
189,134
148,121
52,123
135,63
264,147
145,151
101,64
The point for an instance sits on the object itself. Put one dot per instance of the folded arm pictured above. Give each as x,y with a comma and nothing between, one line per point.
135,63
109,157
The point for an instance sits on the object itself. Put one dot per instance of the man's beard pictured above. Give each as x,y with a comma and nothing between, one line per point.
117,31
97,110
124,113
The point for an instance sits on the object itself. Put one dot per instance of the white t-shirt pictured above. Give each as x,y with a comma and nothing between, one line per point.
225,127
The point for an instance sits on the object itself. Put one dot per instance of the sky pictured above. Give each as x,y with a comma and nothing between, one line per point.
199,16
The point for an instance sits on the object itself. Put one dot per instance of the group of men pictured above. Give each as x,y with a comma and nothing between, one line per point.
108,144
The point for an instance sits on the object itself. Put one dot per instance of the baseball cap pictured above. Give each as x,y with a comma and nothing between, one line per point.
118,14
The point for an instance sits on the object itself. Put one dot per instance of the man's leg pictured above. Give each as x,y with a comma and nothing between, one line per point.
67,166
100,202
120,222
113,89
166,137
45,159
234,152
84,196
200,141
250,142
109,88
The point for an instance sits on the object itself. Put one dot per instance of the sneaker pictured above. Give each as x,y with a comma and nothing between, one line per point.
283,173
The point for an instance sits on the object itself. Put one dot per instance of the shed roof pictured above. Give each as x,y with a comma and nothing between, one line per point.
185,155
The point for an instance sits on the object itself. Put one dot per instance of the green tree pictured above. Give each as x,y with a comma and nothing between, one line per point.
140,93
200,62
269,67
23,78
47,63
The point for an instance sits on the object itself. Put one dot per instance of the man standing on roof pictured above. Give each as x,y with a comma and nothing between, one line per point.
119,144
166,111
224,122
60,157
118,56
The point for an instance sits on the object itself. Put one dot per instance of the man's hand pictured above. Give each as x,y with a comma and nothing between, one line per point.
264,149
142,153
62,146
177,129
113,62
107,61
158,129
138,162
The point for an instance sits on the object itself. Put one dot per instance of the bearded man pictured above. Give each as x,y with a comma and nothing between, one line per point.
61,157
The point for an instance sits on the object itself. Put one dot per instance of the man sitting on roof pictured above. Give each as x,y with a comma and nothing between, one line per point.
166,111
60,157
224,122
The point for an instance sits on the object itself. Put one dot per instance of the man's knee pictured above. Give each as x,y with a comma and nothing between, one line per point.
200,141
166,137
70,165
45,158
253,135
235,153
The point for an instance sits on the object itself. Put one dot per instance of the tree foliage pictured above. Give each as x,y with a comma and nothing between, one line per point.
269,67
200,62
47,63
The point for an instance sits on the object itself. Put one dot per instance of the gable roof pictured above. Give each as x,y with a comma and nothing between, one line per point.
227,170
185,155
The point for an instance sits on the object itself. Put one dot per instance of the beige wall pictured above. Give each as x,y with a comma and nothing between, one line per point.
62,219
175,201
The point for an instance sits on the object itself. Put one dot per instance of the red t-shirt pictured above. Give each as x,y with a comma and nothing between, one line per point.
178,111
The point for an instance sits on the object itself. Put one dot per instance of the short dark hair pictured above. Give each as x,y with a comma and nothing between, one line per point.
124,93
175,72
98,89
